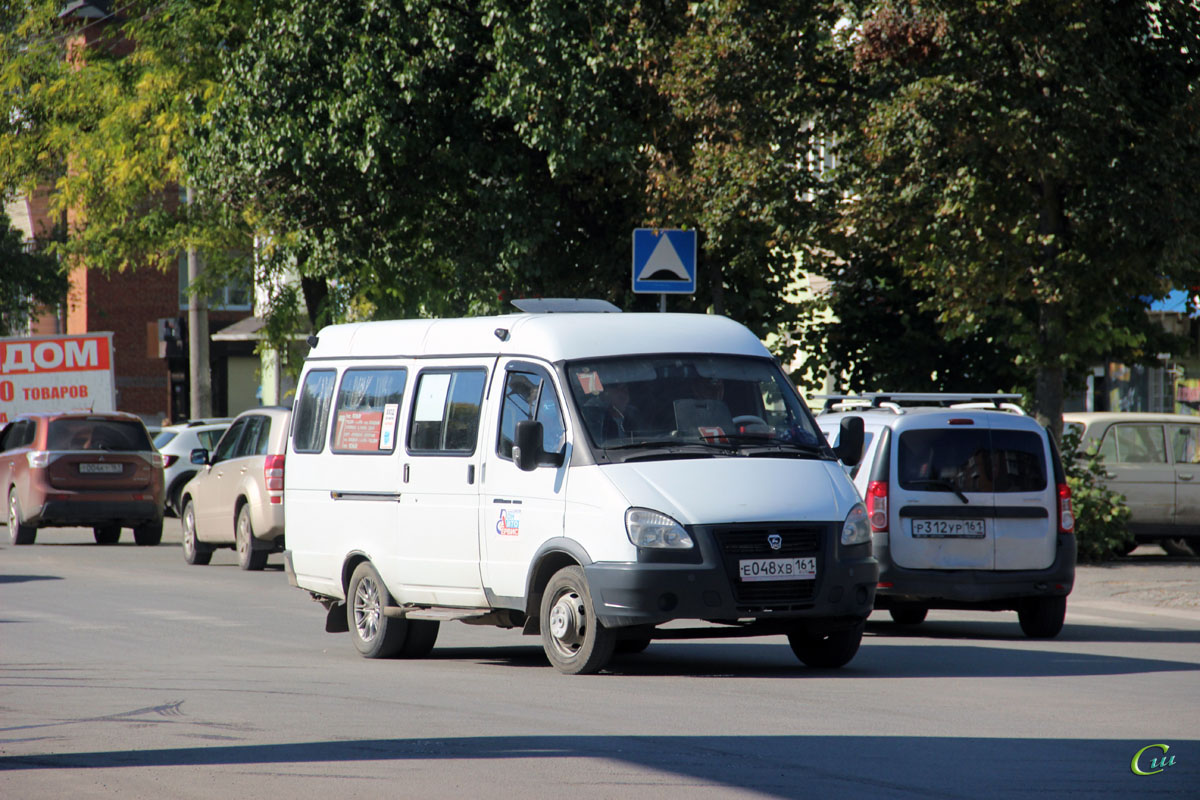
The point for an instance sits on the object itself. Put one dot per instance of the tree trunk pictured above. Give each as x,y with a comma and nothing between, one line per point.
316,292
1048,400
1048,382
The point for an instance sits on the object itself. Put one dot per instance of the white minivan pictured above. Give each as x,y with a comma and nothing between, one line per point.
586,477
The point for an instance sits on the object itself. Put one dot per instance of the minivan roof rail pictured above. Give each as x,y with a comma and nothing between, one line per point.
895,401
563,305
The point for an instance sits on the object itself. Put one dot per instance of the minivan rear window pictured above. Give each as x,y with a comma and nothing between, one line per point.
972,460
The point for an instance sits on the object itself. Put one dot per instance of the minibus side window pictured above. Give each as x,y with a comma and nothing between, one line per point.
445,411
530,396
367,410
312,411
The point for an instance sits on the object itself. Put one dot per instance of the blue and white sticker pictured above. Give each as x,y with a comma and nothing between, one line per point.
387,434
509,523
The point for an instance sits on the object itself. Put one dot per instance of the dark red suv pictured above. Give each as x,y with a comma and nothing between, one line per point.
77,468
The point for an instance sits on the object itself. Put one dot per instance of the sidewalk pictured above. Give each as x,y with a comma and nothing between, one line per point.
1146,577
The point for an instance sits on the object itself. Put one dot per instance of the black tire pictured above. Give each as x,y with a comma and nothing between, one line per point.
1042,617
18,533
375,635
1180,548
194,551
107,534
827,651
422,635
573,638
908,613
249,555
175,493
632,645
148,534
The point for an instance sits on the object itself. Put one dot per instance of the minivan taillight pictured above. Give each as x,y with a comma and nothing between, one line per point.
1066,514
877,506
273,473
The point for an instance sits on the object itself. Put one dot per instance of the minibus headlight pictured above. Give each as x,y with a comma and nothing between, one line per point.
856,529
648,528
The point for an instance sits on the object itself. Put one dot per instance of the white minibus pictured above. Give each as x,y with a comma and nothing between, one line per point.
598,479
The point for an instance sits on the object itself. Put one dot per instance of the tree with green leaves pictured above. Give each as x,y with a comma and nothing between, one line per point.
424,159
1028,166
30,279
102,124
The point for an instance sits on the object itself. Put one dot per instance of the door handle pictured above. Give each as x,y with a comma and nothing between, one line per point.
1185,476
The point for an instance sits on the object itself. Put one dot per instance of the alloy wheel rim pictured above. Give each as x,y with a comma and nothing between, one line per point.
243,533
367,609
189,531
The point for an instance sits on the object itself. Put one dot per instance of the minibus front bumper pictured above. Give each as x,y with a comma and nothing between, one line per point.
628,594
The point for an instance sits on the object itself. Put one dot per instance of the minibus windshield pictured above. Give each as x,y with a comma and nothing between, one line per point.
712,404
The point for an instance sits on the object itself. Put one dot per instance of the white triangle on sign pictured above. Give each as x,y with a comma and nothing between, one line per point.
664,257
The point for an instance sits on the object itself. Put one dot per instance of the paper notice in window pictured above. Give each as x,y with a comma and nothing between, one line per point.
357,430
387,436
431,398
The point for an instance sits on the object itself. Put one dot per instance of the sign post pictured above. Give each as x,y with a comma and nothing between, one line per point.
664,262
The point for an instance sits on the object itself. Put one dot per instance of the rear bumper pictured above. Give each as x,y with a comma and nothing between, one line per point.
973,588
96,513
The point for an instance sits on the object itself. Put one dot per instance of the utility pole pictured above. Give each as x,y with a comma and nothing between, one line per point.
199,376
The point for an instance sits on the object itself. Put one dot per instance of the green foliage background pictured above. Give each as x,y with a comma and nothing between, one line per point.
1101,516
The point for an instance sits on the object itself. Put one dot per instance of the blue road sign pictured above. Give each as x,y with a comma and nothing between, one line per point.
664,261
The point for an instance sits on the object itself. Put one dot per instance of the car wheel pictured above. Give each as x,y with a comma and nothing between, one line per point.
148,534
422,635
573,638
18,533
194,551
107,534
375,634
248,556
1042,617
908,613
1180,548
827,651
175,493
632,645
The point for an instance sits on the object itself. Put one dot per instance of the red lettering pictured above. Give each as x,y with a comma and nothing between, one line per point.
6,391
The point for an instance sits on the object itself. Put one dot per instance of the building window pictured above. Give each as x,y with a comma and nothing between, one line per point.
236,296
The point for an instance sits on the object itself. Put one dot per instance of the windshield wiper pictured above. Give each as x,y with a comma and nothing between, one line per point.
672,444
941,484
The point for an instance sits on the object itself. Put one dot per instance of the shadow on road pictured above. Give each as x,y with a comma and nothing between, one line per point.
774,766
726,659
28,578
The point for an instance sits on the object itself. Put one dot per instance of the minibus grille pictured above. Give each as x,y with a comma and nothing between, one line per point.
742,542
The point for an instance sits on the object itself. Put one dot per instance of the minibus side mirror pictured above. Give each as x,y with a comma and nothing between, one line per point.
850,441
198,456
528,454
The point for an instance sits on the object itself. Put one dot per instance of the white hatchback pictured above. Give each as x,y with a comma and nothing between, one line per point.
968,506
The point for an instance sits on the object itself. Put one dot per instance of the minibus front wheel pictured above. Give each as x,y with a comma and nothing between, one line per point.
827,650
572,636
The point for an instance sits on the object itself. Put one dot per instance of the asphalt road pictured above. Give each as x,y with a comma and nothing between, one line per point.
126,673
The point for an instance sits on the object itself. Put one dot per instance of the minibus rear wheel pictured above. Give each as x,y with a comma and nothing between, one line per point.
375,635
573,638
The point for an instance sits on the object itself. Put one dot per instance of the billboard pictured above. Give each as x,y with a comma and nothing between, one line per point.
56,373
